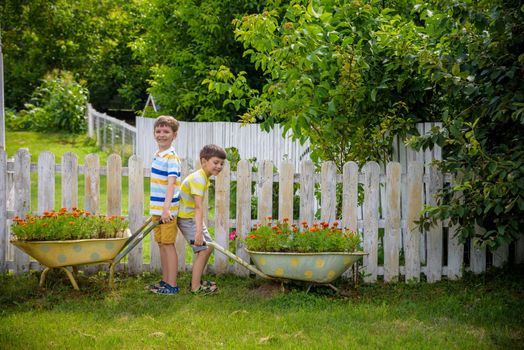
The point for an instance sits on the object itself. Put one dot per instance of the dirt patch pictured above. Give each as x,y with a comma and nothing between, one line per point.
267,290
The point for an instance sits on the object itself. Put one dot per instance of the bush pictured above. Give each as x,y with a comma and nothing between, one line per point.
58,104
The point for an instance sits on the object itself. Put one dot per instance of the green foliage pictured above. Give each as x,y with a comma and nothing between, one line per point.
342,75
58,104
182,41
89,38
478,61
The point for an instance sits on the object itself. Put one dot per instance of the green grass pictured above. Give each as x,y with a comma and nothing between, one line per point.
56,143
476,313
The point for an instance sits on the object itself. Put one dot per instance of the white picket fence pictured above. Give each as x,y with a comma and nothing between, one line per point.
392,202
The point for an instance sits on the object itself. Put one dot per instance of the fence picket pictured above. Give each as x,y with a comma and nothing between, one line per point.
477,262
136,209
434,234
222,202
114,185
285,190
371,172
69,181
328,191
350,196
22,178
500,255
243,211
180,243
92,184
455,248
519,251
392,229
307,191
265,192
3,211
46,182
415,205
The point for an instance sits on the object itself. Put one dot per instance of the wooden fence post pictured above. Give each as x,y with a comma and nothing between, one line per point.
92,184
455,248
46,182
69,181
501,255
434,234
136,209
477,261
114,185
4,241
222,202
265,192
413,234
22,200
285,190
307,192
392,229
243,212
350,196
371,172
328,192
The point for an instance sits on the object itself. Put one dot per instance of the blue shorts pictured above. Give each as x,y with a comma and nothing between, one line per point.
188,229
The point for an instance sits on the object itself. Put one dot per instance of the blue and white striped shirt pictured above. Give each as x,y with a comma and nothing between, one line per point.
165,164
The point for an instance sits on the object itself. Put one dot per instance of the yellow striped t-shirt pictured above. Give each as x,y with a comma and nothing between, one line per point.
195,184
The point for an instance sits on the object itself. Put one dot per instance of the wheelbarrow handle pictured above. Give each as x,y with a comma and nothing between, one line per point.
136,238
237,259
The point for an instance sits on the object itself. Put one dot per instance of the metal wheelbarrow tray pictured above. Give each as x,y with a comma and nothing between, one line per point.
62,254
311,268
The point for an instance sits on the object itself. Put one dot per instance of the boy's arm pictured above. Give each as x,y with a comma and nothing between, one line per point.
166,213
199,220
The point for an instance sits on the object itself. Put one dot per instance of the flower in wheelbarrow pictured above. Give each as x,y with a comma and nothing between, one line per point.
233,235
67,225
318,237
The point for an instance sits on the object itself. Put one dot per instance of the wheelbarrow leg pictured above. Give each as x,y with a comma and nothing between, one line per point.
71,278
43,276
112,275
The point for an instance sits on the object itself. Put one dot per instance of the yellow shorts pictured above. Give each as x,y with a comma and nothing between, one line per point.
165,233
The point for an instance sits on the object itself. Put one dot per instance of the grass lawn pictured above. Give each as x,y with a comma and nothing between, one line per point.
476,313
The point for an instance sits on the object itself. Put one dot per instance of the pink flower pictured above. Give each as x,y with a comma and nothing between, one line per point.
233,235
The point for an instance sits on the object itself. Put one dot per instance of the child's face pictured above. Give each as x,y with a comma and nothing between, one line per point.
212,166
164,136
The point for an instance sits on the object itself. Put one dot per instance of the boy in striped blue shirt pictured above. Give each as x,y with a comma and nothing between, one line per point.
164,201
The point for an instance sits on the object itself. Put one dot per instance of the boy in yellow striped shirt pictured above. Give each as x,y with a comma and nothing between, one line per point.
191,213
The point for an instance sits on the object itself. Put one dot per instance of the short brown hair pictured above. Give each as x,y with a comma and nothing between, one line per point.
167,120
209,151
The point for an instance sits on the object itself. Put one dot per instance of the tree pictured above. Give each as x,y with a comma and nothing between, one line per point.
184,39
479,63
87,38
343,75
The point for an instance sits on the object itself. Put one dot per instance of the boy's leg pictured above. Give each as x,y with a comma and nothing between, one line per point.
165,236
199,264
188,228
169,261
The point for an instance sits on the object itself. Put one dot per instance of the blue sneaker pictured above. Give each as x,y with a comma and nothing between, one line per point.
160,284
166,290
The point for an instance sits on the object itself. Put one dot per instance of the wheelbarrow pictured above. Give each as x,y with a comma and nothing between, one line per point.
310,268
62,254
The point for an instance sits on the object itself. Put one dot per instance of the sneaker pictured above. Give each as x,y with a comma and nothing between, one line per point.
166,290
205,290
205,283
159,285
